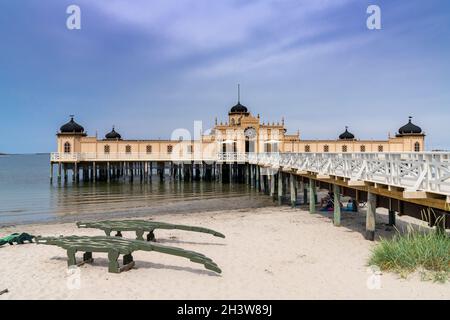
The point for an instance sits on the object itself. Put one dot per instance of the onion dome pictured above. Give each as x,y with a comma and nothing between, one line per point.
346,135
71,127
239,108
113,135
410,128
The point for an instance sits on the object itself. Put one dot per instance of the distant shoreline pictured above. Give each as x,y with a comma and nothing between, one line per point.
24,154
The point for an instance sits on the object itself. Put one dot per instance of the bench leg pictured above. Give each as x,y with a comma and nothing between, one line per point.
71,261
128,262
118,234
87,257
127,259
139,234
151,236
108,232
113,266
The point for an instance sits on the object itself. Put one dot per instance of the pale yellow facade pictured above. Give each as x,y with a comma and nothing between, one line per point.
242,133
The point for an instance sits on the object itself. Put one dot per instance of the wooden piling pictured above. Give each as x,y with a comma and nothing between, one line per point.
371,216
312,196
280,187
51,172
337,205
293,190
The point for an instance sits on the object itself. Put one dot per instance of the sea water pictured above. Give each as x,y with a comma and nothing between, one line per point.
27,196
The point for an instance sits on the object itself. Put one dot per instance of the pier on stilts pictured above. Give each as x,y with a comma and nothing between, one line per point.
403,183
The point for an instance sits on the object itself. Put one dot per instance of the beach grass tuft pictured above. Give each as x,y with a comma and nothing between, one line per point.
415,250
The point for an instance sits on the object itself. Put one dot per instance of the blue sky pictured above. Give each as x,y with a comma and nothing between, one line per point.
149,67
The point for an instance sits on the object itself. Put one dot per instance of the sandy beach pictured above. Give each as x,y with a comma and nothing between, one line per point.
269,253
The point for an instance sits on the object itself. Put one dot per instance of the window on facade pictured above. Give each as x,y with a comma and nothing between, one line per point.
189,149
417,147
106,149
67,148
307,148
344,148
128,149
169,149
362,148
232,122
148,149
326,148
380,148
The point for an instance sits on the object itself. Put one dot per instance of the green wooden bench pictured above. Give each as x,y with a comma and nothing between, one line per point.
18,238
118,246
141,226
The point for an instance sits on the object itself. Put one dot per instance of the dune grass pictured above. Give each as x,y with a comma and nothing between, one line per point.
415,250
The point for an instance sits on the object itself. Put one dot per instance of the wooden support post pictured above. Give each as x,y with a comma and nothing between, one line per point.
312,196
391,214
280,187
337,205
65,172
257,182
370,215
51,172
75,169
391,218
272,185
108,171
292,190
151,171
59,171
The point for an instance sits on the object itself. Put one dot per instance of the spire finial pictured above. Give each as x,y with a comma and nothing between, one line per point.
410,118
71,117
239,93
346,128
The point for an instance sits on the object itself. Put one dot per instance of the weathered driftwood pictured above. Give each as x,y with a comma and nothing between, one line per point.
117,246
141,226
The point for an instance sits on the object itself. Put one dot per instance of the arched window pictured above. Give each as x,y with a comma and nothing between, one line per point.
232,122
148,149
417,147
190,149
326,148
107,149
67,148
307,148
169,149
362,148
128,149
380,148
344,148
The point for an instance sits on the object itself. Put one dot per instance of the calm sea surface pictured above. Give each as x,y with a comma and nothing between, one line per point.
26,195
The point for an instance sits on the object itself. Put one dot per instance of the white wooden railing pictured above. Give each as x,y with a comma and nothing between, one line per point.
174,156
417,171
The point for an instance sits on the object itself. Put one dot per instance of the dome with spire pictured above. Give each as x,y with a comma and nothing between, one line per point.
113,135
346,135
71,127
239,108
410,128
